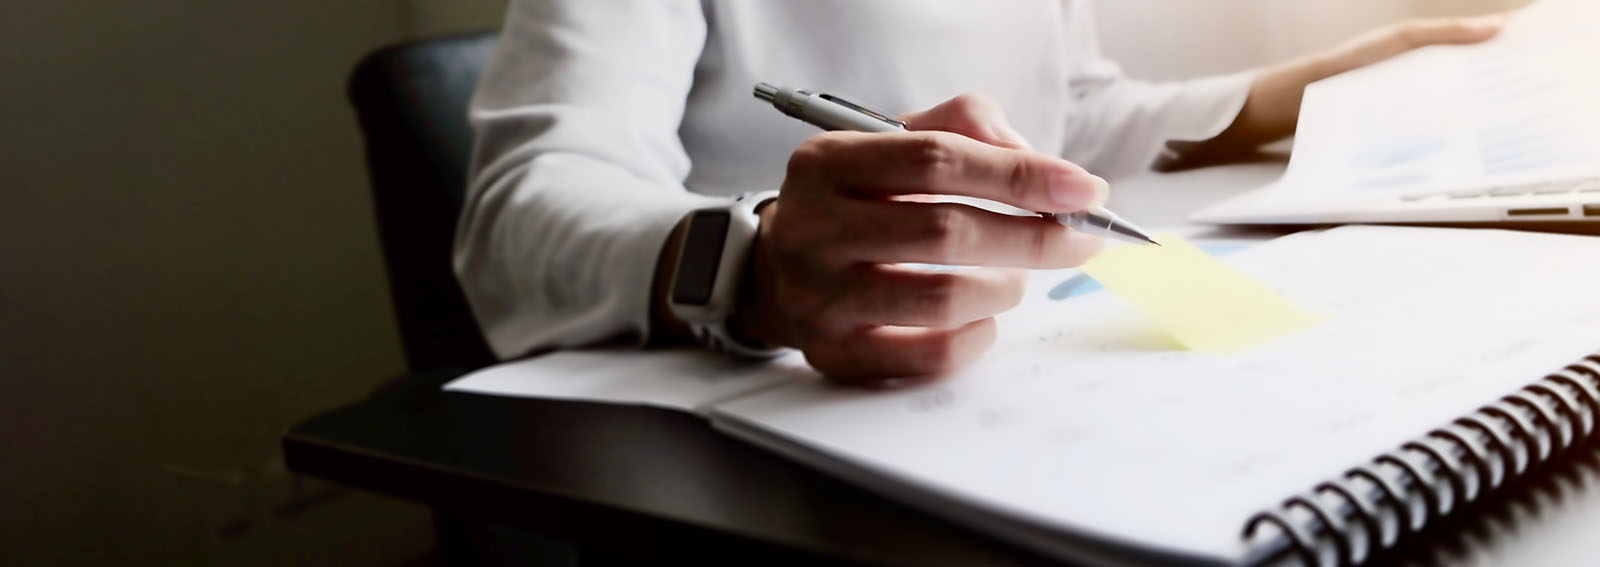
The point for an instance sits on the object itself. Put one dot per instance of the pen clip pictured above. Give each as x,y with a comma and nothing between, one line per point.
862,109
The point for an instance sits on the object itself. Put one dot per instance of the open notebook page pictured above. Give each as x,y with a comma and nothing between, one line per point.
1085,419
682,379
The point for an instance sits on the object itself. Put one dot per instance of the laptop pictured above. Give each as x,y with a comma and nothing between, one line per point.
1570,200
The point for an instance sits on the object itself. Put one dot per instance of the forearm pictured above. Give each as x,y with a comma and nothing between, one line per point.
578,170
560,255
1272,108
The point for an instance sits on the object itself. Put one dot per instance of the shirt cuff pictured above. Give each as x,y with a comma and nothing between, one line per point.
1212,105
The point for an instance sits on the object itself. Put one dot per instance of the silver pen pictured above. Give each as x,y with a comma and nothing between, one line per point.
831,112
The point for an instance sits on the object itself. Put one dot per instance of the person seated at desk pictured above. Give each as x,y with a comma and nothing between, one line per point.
603,124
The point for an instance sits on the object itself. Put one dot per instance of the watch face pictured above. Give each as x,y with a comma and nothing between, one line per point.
702,254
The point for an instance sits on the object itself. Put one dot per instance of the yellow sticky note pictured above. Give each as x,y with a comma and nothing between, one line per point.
1205,304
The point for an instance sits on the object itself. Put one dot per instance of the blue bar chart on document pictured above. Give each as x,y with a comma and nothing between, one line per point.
1081,284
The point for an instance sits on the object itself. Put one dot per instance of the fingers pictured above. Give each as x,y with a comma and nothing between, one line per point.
952,234
877,353
1382,44
849,217
1450,31
974,115
907,297
887,164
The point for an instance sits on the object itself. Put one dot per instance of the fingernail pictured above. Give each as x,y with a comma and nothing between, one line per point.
1102,191
1068,191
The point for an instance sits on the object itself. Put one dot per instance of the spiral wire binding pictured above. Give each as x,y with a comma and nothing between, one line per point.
1564,405
1471,539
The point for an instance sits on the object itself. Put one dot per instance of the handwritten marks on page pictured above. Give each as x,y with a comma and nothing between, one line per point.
1205,304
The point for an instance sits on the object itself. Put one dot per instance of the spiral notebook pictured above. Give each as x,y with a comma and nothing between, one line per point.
1451,362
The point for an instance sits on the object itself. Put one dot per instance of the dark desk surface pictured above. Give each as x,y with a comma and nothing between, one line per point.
618,478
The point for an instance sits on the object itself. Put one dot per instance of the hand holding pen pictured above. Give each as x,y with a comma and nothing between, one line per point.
831,112
828,273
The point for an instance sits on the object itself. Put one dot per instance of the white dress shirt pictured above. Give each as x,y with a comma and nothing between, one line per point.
601,123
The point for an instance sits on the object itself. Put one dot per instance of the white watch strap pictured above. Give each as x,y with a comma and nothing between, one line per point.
717,338
713,332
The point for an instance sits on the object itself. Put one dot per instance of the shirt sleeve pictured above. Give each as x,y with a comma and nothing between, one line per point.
1118,126
577,172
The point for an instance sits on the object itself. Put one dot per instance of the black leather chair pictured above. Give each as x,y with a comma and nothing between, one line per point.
412,103
411,100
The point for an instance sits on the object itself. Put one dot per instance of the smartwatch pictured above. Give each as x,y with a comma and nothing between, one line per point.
709,274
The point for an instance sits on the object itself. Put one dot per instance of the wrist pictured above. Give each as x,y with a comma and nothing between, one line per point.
707,280
666,329
758,317
1319,66
1272,108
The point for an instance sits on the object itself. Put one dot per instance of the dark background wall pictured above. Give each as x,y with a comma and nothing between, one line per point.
189,265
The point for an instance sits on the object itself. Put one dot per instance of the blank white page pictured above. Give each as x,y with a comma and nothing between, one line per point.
1085,419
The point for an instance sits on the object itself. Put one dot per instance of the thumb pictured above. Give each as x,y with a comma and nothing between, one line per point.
974,115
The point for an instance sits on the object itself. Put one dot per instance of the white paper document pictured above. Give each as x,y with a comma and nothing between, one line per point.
1508,114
